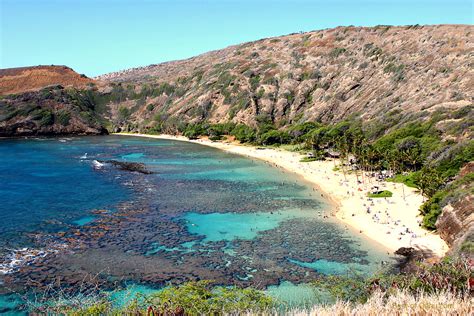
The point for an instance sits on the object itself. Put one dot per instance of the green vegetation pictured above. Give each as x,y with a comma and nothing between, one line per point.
336,52
414,152
407,179
431,209
63,117
449,278
451,275
398,71
309,159
192,298
43,116
381,194
123,113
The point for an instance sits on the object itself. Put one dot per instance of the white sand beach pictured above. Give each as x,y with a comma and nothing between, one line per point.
392,222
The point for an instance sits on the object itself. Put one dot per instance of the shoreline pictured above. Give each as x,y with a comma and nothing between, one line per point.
382,220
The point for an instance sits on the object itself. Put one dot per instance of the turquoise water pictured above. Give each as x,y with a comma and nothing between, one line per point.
84,220
202,214
327,267
230,226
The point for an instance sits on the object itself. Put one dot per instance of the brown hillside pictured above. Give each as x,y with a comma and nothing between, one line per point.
18,80
369,72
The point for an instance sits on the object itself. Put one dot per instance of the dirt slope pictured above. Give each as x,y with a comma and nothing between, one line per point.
18,80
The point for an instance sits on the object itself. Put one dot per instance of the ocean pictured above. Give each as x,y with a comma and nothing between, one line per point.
68,217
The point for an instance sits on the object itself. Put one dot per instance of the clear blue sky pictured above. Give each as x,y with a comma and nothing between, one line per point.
99,36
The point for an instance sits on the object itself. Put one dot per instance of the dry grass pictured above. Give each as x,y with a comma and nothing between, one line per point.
400,303
19,80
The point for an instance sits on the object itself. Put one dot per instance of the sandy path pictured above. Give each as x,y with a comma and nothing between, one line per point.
392,222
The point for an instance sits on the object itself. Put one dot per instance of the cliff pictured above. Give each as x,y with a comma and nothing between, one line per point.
34,101
50,111
456,223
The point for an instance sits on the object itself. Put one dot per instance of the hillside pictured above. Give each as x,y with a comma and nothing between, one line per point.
34,101
378,73
18,80
53,110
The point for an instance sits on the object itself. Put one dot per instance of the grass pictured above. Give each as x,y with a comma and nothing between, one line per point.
381,194
309,159
399,303
408,180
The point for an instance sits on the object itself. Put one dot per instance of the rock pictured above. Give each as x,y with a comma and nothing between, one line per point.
129,166
456,223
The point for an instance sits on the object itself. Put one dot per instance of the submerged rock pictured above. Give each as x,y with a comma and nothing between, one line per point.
128,166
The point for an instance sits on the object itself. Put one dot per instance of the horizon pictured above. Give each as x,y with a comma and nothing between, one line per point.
99,37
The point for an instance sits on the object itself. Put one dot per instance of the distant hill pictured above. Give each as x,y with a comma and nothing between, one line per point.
18,80
393,74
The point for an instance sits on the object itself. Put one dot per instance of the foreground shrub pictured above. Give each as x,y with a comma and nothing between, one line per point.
451,275
197,298
191,298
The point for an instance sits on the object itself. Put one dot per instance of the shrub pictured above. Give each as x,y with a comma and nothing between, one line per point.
123,113
63,117
191,298
193,131
150,107
198,298
309,159
254,82
398,71
451,275
336,52
45,117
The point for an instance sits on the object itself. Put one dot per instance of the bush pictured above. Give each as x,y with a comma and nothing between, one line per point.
123,113
192,298
398,71
63,117
45,117
150,107
451,275
336,52
198,298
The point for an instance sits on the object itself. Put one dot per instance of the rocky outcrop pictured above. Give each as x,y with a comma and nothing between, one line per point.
50,111
128,166
456,223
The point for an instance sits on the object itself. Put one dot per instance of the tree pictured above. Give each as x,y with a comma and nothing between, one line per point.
429,180
411,152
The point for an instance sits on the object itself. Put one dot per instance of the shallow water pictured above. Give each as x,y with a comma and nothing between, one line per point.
203,214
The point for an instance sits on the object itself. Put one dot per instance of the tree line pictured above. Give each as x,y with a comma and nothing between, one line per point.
414,154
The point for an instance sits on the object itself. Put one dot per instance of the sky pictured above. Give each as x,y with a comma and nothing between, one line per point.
99,36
